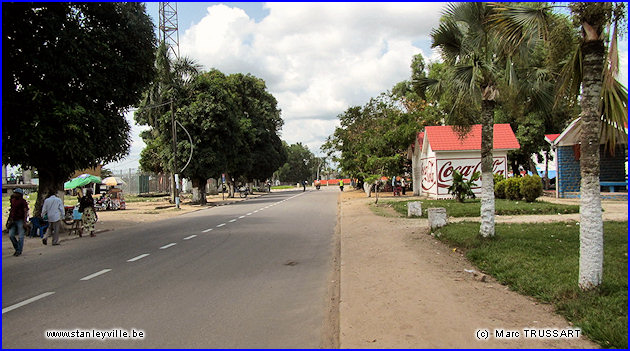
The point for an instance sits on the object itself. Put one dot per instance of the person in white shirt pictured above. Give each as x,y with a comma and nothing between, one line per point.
53,208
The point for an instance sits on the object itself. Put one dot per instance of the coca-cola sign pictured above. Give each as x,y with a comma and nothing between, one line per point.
440,171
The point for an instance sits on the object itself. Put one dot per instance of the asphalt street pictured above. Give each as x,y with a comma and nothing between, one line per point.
253,274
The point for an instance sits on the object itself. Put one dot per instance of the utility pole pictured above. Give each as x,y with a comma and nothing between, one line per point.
175,182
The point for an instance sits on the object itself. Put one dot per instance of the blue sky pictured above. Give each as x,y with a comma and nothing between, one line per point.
317,59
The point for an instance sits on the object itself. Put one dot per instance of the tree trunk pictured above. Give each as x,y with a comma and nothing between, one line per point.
591,225
416,164
199,191
487,180
47,182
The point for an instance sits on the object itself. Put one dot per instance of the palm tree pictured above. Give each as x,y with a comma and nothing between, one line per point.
477,41
591,75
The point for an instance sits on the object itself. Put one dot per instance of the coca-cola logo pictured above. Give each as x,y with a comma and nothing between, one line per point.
428,174
467,168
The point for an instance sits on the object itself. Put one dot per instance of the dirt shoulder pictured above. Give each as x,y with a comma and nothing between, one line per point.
400,288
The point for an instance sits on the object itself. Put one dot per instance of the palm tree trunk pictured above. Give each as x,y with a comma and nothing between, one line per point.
487,180
591,225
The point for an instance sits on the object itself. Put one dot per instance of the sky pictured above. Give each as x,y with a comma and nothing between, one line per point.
318,59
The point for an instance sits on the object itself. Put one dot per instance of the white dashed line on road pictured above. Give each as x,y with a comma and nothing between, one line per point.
232,220
190,237
249,214
138,258
26,302
167,246
207,230
220,225
95,274
241,217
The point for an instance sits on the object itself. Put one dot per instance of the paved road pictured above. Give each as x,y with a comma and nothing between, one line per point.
251,274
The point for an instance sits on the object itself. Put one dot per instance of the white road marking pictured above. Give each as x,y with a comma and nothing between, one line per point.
207,230
138,258
249,214
256,211
232,220
167,246
95,274
220,225
26,302
190,237
241,217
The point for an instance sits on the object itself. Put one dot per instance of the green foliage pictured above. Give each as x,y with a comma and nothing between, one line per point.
513,188
531,187
499,189
539,260
70,71
299,164
502,207
497,177
462,188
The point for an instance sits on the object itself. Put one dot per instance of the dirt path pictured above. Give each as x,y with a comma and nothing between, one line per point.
400,288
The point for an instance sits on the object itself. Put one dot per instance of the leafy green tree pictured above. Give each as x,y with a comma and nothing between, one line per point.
373,139
299,165
70,70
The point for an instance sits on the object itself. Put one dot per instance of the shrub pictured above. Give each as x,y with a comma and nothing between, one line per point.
513,188
499,189
497,178
531,188
462,188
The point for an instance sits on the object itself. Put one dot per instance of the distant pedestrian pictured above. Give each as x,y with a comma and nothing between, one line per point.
304,185
53,208
16,223
268,185
404,185
341,184
86,206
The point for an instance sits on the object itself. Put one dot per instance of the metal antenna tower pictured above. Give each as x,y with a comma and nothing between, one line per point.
168,27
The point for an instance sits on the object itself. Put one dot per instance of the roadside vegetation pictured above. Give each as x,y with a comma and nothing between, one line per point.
471,208
541,260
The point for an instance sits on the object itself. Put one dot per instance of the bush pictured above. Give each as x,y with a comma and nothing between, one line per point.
513,188
497,178
499,189
531,188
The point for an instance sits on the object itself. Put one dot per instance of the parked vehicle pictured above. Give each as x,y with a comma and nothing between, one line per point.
243,191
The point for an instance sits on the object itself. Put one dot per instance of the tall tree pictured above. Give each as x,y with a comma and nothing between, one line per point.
477,41
70,70
591,75
299,163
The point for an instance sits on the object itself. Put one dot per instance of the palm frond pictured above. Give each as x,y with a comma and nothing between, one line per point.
570,79
518,26
614,112
448,38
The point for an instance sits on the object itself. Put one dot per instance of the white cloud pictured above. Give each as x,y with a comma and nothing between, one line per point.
317,58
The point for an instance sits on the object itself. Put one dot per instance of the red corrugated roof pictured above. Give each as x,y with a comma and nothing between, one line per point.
445,138
552,137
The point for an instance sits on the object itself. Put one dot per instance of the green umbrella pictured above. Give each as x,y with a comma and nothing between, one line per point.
81,181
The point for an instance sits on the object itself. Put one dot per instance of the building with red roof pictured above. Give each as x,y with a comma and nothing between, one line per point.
440,150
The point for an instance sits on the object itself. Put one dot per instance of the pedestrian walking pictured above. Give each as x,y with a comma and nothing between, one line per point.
86,206
16,223
53,208
404,185
341,184
304,185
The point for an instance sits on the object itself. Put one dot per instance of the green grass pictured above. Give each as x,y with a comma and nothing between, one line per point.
282,187
471,208
541,260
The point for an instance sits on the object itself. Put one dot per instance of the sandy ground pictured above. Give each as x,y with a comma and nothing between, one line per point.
400,288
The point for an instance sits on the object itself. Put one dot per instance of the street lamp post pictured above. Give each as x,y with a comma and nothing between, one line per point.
175,181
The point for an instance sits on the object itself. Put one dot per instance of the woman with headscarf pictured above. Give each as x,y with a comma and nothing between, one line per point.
86,206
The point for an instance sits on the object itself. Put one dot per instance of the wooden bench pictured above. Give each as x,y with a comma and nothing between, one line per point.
611,185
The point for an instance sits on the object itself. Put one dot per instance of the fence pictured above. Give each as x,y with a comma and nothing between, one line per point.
143,183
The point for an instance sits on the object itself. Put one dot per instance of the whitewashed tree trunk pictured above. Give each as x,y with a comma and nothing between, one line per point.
368,189
487,181
417,170
591,224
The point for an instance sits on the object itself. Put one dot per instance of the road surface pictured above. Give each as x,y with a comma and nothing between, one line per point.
251,274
